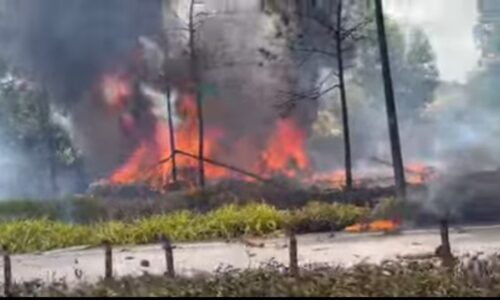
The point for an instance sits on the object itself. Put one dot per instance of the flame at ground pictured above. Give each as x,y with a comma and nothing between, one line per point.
284,152
376,226
146,162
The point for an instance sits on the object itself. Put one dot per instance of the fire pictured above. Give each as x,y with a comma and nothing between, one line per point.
283,153
286,150
336,179
116,91
376,226
145,163
419,173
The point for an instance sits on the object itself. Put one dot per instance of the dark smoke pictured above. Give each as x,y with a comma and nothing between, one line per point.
67,44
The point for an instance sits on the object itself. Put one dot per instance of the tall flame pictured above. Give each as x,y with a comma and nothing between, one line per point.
284,152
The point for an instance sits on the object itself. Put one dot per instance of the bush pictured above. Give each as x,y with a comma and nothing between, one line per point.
28,209
323,217
227,222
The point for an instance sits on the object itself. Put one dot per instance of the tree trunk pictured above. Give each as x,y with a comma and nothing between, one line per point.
196,82
51,147
397,156
343,98
171,131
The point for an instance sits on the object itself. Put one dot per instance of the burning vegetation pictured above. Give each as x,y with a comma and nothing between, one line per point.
159,96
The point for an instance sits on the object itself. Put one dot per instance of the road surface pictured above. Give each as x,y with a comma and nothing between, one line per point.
341,249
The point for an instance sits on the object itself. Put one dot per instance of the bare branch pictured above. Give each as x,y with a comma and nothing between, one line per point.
315,51
293,98
345,34
327,77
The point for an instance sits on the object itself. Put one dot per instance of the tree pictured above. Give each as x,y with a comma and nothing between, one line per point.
325,35
194,73
27,126
412,61
397,157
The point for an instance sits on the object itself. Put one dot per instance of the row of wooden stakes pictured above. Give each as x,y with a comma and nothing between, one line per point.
445,254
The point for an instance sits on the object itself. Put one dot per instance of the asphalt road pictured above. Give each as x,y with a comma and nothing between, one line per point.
342,249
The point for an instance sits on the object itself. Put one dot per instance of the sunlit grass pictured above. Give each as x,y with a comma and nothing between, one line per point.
227,222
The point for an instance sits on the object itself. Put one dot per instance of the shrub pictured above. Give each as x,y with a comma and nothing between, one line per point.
23,209
227,222
321,217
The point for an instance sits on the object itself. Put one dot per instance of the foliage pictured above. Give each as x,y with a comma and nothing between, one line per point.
28,209
26,122
388,279
413,64
227,222
321,217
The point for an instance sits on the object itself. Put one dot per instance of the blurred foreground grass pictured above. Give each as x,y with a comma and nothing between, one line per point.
389,279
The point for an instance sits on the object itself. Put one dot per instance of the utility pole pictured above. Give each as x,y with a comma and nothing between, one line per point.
397,156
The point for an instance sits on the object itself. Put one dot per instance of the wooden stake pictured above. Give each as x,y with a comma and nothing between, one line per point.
7,272
294,265
108,260
445,248
169,255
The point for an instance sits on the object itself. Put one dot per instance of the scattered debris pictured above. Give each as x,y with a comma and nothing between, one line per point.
320,249
145,263
421,256
78,273
253,244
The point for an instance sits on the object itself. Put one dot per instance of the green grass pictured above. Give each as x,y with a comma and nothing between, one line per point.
227,222
389,279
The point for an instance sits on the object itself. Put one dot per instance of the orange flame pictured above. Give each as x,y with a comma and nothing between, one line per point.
419,173
284,152
376,226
